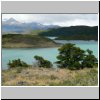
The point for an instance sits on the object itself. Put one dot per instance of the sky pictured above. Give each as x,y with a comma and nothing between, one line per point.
56,19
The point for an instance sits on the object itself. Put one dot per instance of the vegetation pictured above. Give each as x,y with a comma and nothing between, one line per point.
73,57
17,63
26,41
70,59
73,33
41,62
49,77
89,60
77,37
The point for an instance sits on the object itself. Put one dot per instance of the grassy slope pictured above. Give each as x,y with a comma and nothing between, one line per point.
25,41
49,77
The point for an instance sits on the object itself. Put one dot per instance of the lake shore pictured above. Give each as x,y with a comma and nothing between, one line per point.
49,77
10,46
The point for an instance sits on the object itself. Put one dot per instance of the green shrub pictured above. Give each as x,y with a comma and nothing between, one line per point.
73,57
75,66
70,56
41,62
17,63
89,60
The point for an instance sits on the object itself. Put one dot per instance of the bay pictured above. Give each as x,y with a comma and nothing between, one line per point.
27,54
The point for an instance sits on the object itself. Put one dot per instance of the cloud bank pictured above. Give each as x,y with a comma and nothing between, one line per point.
56,19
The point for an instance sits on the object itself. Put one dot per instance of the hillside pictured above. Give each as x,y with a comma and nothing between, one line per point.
74,33
49,77
26,41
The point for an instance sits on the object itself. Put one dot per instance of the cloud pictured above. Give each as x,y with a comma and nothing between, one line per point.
56,19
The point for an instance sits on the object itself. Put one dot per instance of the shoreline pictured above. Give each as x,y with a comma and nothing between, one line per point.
31,47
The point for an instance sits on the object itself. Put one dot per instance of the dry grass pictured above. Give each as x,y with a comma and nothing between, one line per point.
49,77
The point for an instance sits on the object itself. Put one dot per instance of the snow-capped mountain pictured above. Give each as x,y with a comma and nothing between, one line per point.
11,21
12,25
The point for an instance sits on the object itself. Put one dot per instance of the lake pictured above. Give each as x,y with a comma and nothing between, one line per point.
27,54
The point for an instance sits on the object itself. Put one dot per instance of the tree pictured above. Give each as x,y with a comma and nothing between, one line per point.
70,56
89,60
73,57
75,65
17,63
42,62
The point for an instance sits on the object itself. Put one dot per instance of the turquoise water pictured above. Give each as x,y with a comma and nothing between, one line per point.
27,54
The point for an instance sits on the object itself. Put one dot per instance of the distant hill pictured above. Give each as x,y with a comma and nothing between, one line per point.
26,41
73,33
12,25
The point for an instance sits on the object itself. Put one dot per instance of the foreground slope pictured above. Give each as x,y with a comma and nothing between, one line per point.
49,77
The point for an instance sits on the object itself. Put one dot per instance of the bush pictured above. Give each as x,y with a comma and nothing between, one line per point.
70,56
17,63
89,60
75,66
73,57
41,62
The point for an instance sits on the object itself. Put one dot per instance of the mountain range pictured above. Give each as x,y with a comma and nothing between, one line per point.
12,25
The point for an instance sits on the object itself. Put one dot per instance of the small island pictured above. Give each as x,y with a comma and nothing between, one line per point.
26,41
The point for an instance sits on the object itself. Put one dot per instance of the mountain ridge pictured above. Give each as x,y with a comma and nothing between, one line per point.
12,25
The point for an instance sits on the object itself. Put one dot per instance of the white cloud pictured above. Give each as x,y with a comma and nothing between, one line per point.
56,19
